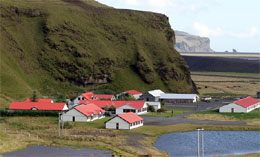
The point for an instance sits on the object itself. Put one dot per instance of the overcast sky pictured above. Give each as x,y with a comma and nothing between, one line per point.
228,23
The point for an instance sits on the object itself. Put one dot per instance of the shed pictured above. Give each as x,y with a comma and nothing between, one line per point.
124,121
241,106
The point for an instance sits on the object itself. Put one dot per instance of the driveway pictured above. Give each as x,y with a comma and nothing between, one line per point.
196,107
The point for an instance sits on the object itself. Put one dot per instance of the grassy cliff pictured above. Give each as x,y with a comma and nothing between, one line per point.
64,47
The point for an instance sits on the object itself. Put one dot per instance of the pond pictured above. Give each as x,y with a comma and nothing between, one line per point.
45,151
215,143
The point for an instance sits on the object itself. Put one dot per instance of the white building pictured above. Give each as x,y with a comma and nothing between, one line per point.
153,95
179,98
83,113
124,121
241,106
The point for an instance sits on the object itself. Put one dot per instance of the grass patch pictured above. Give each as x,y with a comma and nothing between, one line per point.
255,114
168,113
98,124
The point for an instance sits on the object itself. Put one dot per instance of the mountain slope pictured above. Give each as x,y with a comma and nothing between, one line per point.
63,47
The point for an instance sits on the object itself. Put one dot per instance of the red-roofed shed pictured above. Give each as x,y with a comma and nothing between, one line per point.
128,120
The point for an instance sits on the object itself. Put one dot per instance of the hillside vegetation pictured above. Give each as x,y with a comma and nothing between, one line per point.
65,47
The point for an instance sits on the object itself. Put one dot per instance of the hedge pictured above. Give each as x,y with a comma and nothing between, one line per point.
9,113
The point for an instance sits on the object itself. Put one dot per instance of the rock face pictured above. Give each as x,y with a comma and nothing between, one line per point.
190,43
75,44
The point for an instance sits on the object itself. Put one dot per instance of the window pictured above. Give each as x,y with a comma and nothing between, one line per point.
147,99
78,98
128,110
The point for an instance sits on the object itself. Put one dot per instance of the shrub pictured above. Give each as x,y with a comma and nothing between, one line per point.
67,125
9,113
161,110
150,108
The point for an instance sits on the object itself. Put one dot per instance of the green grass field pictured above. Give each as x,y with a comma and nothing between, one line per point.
168,113
255,114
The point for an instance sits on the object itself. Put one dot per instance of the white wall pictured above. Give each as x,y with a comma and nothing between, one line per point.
136,96
79,117
111,124
120,109
76,100
228,108
136,126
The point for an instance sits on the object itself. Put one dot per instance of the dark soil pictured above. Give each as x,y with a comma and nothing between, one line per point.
222,64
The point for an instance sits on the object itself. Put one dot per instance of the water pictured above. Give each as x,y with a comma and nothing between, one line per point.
45,151
215,143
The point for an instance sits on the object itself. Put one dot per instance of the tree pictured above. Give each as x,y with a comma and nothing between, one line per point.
34,96
112,108
172,113
234,51
150,108
106,108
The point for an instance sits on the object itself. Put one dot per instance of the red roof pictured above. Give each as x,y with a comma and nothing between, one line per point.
89,109
130,117
104,96
133,92
37,105
103,103
40,100
89,95
249,101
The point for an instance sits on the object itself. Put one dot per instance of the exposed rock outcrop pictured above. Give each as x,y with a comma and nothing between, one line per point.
190,43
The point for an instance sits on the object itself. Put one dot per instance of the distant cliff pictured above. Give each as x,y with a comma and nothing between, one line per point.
190,43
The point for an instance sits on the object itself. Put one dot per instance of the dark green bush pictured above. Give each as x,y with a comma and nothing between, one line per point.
9,113
161,110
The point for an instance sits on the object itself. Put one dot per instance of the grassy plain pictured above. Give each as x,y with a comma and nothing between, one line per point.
226,86
168,113
19,132
252,118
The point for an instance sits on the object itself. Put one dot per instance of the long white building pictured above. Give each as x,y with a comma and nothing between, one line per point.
241,106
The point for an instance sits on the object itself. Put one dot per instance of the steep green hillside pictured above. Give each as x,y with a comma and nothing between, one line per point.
63,47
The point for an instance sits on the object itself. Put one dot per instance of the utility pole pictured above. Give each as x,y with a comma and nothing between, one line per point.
202,142
198,142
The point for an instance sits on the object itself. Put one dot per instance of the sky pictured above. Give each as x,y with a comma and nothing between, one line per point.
228,23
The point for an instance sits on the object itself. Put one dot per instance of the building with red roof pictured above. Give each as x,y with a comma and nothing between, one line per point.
241,106
128,120
83,113
133,93
138,107
41,104
84,96
105,96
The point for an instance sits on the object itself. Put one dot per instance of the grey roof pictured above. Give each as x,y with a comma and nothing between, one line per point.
178,96
156,93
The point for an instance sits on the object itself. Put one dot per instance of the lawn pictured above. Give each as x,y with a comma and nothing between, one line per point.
255,114
228,74
168,113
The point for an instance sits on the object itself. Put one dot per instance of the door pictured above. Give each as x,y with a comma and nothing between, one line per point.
232,110
117,125
73,118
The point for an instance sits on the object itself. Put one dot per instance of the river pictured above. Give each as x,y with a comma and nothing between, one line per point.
215,143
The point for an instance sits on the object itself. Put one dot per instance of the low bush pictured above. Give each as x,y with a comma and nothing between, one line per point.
161,110
9,113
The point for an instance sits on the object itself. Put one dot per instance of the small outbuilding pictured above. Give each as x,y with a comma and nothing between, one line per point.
179,98
153,95
241,106
125,121
83,113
